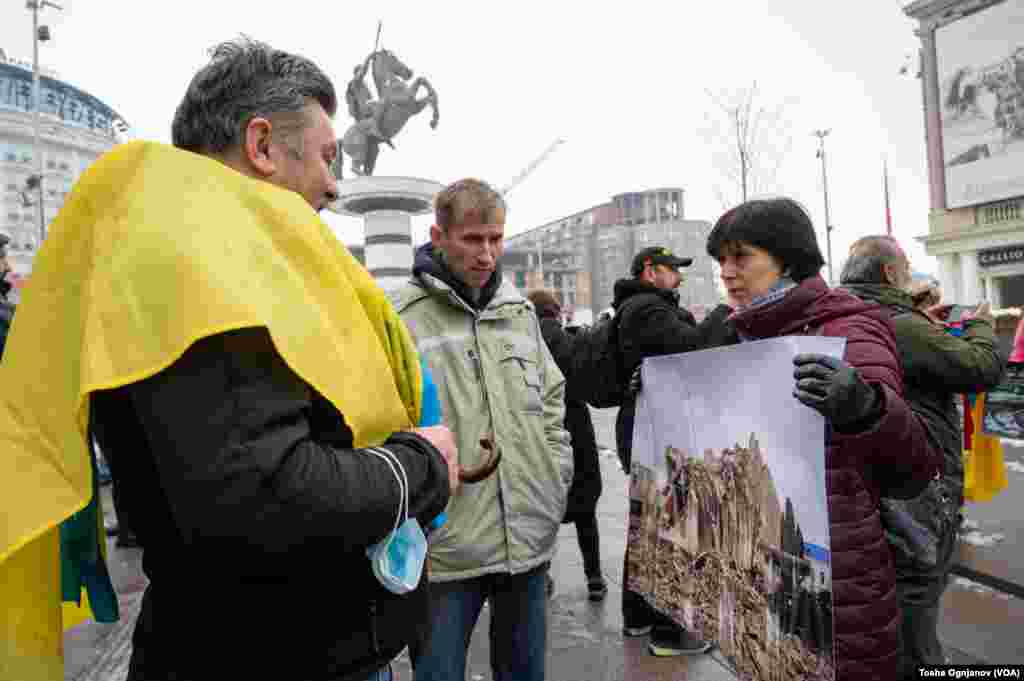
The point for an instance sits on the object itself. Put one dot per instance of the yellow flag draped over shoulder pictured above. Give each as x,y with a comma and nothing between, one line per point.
155,249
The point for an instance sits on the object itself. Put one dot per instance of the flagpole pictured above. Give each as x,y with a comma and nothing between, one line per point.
888,210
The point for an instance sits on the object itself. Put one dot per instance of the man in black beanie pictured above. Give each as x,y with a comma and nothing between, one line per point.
651,323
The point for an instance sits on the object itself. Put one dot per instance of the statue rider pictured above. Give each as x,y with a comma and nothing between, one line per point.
361,105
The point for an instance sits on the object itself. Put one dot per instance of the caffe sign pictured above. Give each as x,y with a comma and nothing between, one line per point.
1006,255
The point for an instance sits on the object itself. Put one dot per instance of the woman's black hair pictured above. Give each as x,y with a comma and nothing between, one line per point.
780,226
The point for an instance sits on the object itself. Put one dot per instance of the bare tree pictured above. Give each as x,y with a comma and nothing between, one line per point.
753,140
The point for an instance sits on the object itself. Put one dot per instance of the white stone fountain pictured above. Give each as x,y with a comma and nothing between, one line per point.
387,206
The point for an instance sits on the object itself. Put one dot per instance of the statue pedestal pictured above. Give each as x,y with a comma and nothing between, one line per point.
387,205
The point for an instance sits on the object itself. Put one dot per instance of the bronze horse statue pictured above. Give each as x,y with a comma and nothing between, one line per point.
381,119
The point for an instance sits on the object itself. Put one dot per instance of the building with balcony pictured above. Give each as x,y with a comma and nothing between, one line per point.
76,128
972,84
590,250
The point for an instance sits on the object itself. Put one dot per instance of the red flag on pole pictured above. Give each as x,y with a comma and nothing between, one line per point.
888,212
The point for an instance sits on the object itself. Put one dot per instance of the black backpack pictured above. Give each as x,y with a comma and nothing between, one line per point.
597,364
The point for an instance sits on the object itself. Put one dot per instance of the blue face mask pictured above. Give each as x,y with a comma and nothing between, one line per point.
397,560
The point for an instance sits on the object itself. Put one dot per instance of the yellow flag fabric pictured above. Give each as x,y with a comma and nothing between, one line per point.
984,468
155,249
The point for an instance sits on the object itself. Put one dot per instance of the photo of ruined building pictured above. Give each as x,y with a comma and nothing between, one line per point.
713,546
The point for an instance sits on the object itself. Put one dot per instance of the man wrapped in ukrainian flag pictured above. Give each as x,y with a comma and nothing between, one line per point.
237,366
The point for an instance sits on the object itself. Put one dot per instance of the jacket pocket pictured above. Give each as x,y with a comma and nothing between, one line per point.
523,378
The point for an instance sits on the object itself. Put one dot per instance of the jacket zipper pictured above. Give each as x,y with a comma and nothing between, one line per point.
373,627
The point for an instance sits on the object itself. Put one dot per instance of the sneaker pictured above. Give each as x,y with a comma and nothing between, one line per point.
637,631
684,643
596,588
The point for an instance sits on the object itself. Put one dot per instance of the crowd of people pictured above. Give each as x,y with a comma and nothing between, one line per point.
256,478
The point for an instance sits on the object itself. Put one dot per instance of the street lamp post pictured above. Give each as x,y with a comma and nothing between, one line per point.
821,134
39,33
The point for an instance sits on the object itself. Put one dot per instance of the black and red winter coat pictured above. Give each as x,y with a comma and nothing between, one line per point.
894,456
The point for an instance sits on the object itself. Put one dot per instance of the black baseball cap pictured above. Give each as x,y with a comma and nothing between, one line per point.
657,255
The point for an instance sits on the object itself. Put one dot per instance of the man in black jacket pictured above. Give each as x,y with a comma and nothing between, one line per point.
252,506
651,323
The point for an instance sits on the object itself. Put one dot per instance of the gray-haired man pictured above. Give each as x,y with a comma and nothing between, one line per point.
253,504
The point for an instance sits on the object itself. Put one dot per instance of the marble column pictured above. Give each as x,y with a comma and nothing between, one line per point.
389,252
970,292
387,205
948,277
992,292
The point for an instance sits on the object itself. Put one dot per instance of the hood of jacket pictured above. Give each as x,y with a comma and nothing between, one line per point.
887,296
430,261
808,306
627,288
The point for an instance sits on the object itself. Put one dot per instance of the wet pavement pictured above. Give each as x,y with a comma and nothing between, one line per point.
585,641
977,619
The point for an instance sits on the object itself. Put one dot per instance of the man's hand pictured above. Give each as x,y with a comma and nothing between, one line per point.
940,311
443,439
984,313
834,389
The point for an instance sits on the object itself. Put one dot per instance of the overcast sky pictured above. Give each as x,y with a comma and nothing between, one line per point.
624,85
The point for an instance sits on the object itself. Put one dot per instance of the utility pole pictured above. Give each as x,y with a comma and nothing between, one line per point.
39,33
821,134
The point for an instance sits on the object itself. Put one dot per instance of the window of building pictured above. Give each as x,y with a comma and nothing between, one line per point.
51,164
12,187
64,165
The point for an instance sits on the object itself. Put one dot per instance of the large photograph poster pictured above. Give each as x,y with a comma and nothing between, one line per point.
981,99
728,527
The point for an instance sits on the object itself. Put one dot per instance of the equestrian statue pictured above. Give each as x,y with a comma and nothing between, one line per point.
379,120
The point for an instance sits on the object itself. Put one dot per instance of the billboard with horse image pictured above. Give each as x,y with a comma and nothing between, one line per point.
728,527
980,61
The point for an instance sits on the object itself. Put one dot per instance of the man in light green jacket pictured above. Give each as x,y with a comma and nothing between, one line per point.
496,377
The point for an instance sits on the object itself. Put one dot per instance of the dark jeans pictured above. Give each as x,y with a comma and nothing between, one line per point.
590,542
518,608
920,594
382,675
637,612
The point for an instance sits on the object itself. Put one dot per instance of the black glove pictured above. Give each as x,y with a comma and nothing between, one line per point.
635,383
834,389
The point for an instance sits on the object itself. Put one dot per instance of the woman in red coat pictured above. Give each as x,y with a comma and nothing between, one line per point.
875,445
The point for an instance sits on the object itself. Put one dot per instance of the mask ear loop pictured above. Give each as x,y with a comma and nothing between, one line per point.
403,486
405,477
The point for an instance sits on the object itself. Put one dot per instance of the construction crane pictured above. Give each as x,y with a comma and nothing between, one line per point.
522,176
530,168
